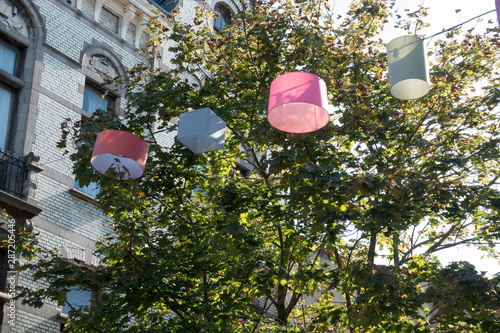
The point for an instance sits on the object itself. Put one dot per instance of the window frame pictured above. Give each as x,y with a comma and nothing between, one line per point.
12,83
225,16
11,117
89,303
110,12
18,54
94,88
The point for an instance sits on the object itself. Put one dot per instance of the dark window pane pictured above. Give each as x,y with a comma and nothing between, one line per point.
77,298
5,106
223,19
7,59
93,100
92,189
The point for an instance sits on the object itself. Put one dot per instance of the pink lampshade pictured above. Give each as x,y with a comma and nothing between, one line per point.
122,151
298,103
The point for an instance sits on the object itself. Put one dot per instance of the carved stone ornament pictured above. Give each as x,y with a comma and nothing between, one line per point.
9,16
102,66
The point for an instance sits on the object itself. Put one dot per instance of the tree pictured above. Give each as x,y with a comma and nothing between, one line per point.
196,247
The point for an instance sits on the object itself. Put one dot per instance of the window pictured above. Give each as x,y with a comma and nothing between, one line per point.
93,100
76,298
130,34
9,58
91,189
12,171
166,5
16,107
5,114
109,20
223,17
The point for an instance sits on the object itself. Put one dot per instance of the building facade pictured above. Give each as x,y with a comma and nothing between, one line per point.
54,58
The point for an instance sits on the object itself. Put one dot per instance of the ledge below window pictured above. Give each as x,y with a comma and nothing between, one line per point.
14,204
62,318
84,196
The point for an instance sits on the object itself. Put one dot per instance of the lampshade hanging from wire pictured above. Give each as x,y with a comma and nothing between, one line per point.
122,151
298,103
201,130
408,71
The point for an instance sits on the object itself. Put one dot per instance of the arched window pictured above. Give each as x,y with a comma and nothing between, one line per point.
98,64
223,17
11,59
18,43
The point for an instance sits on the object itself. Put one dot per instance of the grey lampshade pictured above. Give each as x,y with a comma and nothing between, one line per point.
408,71
201,130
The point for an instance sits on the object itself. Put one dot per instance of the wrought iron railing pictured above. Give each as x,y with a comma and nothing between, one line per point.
12,173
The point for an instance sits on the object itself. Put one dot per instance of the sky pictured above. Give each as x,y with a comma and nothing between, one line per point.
444,14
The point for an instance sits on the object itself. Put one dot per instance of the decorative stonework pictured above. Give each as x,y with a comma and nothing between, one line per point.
73,253
9,16
102,65
33,168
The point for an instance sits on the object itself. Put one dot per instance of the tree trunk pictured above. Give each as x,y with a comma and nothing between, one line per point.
282,319
371,250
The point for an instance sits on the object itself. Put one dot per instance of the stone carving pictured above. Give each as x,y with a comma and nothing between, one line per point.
102,65
33,168
10,16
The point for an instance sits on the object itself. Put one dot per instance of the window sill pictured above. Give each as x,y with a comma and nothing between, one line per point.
84,196
62,318
80,264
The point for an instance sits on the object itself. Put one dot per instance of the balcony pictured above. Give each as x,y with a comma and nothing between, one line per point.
12,174
18,182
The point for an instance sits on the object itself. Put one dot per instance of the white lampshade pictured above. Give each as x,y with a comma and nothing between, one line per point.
408,71
201,130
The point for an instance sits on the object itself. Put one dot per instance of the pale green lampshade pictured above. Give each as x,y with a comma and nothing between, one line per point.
408,71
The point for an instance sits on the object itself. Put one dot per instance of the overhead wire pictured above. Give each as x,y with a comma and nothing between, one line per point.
370,61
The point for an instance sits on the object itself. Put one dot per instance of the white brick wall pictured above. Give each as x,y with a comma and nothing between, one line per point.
30,323
69,34
62,79
67,221
50,116
65,210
